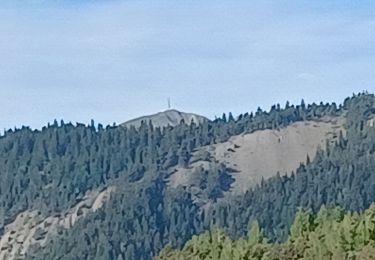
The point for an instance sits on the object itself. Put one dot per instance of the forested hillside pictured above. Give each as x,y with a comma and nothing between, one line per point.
47,173
329,234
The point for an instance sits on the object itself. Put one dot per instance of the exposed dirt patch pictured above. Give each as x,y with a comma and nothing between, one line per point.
264,153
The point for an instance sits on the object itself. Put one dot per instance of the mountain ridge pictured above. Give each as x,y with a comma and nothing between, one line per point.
66,172
170,117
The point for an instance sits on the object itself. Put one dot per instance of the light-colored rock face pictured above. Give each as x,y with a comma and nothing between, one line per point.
30,228
169,117
264,153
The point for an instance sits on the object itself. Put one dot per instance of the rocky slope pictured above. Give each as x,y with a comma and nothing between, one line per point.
264,153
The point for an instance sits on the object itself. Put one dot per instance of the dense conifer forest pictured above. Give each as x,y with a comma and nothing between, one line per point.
52,169
329,234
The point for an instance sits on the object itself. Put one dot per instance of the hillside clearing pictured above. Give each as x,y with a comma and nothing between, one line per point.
264,153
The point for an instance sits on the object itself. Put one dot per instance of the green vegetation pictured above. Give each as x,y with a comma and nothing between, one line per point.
51,170
329,234
342,175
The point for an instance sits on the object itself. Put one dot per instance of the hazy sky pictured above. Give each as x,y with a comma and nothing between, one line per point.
114,60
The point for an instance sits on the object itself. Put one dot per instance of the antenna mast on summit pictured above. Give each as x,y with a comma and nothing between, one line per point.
169,103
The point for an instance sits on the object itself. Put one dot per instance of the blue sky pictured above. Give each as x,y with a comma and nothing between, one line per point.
115,60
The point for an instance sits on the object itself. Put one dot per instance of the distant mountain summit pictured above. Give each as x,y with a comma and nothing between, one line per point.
170,117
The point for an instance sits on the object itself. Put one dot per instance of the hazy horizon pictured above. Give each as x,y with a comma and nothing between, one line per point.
112,61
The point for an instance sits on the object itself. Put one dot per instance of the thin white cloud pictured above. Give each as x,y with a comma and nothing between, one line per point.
307,76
